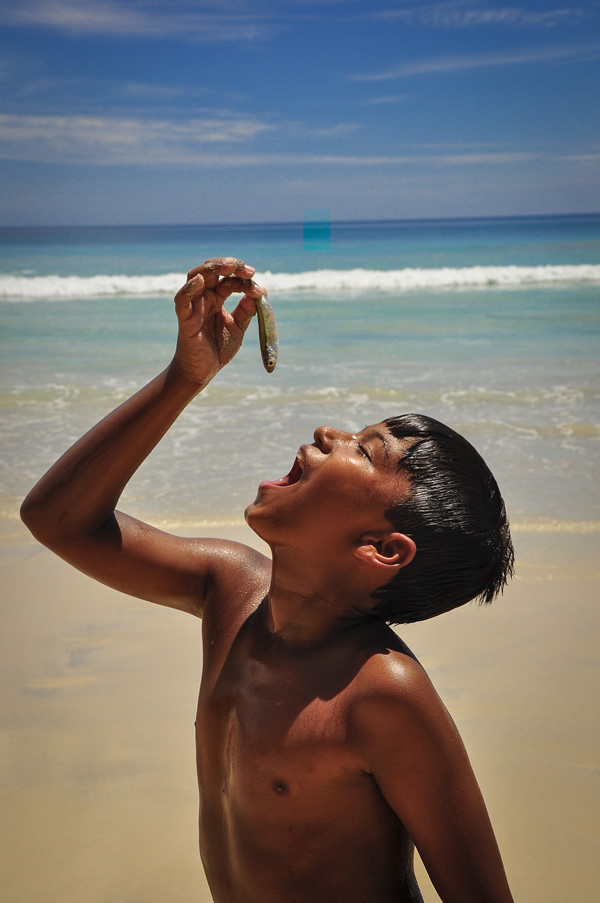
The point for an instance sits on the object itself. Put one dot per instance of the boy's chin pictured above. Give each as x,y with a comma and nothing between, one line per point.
258,521
252,518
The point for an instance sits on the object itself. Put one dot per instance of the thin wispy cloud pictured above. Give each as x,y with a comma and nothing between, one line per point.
332,131
206,22
386,99
480,61
461,14
88,95
593,157
118,141
47,89
157,92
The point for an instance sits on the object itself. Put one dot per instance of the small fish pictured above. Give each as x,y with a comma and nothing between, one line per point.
267,332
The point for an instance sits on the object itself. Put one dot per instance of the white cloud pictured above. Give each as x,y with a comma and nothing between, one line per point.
244,20
118,141
482,60
386,99
156,92
593,157
85,94
211,143
204,22
332,131
461,14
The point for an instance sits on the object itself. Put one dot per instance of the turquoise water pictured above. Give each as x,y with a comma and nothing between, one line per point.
489,325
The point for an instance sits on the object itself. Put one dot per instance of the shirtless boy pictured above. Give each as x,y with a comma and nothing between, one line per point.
324,753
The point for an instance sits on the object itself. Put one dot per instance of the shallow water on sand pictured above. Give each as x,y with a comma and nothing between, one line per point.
489,325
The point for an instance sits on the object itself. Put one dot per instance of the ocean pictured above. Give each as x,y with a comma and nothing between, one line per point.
490,325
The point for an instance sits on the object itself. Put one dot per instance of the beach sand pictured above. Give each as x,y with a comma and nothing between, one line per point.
98,694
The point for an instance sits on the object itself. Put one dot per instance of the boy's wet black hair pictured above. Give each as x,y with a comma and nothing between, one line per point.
456,516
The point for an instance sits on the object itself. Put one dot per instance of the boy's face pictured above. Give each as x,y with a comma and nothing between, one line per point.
338,489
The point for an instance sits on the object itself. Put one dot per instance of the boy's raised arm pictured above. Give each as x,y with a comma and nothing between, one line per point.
72,508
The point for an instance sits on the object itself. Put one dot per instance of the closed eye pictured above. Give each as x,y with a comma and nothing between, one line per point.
364,452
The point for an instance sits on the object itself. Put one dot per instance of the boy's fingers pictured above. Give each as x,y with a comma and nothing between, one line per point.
211,269
213,282
230,284
243,313
194,285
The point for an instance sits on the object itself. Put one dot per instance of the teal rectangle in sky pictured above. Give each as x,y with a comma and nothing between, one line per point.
317,230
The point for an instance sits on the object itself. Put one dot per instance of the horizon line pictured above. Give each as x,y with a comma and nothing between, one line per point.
340,222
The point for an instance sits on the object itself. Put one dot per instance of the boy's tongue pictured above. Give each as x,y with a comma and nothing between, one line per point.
293,476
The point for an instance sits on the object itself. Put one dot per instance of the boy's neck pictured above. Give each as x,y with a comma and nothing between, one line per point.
305,606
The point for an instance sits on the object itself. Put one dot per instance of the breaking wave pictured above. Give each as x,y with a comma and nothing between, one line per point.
64,288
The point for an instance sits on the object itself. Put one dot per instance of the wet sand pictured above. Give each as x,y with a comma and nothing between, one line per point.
98,694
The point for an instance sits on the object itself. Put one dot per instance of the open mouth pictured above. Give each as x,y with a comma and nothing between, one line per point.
293,476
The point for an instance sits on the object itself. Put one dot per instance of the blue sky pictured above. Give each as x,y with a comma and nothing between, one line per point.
192,111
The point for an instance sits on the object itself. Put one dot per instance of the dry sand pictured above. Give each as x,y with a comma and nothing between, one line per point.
98,696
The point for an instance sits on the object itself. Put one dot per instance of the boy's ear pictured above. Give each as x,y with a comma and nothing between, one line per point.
387,552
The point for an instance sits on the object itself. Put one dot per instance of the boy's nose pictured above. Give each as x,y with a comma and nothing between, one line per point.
327,437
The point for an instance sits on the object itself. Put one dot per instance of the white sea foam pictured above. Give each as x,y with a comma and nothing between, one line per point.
64,288
445,277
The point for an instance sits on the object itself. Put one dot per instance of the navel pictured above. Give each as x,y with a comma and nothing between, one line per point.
280,787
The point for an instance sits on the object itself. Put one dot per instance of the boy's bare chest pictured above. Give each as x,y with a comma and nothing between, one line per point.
285,795
269,733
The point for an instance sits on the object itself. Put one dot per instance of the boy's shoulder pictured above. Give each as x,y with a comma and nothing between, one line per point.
233,553
401,727
388,661
227,558
393,690
240,575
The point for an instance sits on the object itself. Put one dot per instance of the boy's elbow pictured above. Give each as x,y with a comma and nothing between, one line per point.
30,514
40,522
27,510
56,523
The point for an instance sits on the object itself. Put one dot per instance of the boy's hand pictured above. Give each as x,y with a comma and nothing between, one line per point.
209,336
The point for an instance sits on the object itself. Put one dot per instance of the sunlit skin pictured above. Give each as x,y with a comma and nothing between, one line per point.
323,750
327,518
